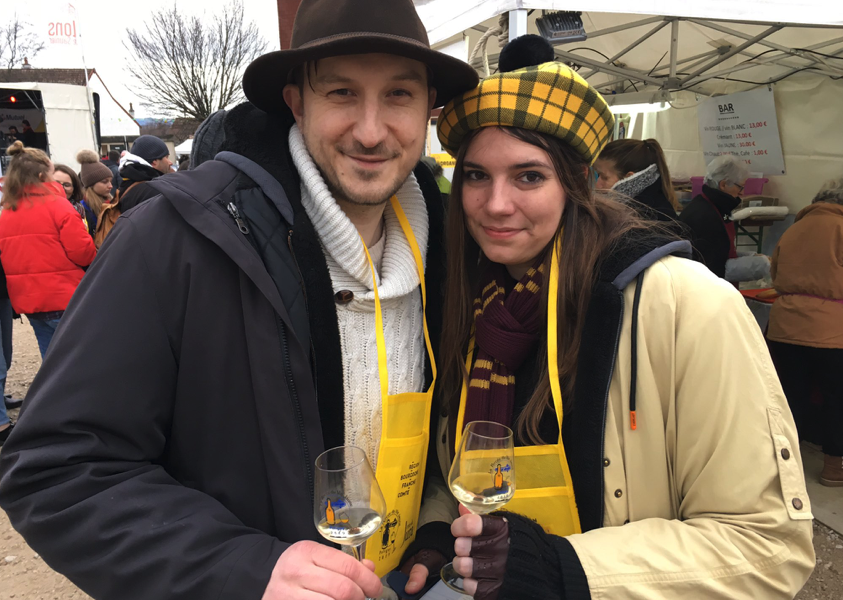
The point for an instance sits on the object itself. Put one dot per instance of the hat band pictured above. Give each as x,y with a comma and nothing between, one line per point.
361,34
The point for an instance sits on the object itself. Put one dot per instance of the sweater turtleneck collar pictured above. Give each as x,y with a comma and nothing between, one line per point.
342,243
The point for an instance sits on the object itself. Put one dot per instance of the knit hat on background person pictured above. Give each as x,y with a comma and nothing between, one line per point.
150,148
92,169
548,98
208,139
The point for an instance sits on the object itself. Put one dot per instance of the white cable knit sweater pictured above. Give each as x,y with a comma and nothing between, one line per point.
398,283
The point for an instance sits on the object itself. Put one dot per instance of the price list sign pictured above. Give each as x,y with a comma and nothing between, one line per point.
745,126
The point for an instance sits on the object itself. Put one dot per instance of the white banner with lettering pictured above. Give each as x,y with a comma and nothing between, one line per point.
744,125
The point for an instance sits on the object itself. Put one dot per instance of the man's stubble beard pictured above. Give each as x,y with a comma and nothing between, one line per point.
341,194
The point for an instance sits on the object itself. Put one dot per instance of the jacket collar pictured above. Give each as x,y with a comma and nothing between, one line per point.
633,186
723,202
821,208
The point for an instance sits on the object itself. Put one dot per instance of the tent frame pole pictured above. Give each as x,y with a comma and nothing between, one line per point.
624,27
750,42
745,36
674,48
632,46
596,64
792,71
518,20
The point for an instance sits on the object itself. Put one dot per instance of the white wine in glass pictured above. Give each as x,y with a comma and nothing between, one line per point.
349,506
482,477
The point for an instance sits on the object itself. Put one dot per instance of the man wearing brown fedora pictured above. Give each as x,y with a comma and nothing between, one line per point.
249,339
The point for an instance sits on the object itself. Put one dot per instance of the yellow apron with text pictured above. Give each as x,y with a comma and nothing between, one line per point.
543,488
404,440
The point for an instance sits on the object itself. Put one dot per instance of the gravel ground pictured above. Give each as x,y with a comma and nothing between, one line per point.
25,576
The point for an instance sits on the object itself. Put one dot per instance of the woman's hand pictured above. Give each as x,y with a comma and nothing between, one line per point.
420,567
482,546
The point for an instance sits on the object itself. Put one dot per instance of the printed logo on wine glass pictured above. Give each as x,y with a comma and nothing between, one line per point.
500,479
389,532
335,508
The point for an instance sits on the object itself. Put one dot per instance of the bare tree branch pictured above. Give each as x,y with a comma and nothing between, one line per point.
185,66
16,43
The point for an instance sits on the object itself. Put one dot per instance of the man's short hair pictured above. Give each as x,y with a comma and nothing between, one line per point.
114,156
13,127
25,122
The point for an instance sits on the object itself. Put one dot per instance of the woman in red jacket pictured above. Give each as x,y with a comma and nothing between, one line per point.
43,243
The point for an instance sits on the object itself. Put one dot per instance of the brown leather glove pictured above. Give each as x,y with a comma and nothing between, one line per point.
489,551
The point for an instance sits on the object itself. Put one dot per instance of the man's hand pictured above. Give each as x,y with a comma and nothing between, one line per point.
419,568
311,571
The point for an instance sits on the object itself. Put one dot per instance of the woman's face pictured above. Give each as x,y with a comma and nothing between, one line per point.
607,173
65,181
733,189
512,198
103,187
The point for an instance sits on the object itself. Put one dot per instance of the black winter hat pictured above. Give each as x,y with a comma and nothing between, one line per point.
208,139
150,148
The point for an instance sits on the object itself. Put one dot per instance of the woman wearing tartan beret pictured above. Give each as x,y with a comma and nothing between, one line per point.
656,456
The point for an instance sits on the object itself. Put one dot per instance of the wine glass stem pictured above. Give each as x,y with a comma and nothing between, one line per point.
356,551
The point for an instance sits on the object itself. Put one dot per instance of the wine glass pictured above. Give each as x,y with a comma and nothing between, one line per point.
348,503
482,477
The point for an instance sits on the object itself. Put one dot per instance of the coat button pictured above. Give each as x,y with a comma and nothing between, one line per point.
785,453
344,296
797,504
606,462
618,493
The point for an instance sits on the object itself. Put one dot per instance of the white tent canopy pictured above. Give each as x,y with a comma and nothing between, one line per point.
446,18
184,148
67,118
629,51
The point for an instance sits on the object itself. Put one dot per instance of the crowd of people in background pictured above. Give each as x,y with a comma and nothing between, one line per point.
54,218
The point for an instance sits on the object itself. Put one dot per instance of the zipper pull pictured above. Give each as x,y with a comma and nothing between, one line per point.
241,224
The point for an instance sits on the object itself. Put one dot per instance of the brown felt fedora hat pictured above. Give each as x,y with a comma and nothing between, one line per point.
325,28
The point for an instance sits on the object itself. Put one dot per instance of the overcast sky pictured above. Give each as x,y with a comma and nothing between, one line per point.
102,26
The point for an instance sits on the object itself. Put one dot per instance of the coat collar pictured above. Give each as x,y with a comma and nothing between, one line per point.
723,202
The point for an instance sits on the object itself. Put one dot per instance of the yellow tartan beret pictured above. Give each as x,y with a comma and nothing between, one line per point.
550,98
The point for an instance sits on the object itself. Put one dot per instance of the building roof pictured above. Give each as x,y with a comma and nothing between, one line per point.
66,76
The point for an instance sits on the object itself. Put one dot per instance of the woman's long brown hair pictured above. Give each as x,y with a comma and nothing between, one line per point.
637,155
95,201
592,224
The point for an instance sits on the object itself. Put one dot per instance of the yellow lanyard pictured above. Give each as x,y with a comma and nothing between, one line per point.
379,337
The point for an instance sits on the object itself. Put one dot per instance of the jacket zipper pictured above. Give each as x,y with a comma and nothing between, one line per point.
606,408
288,367
307,460
306,307
299,416
241,224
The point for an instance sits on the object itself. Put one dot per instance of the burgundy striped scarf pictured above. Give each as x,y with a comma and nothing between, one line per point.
507,327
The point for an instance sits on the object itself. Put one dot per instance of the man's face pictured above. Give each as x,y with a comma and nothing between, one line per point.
162,164
364,120
13,130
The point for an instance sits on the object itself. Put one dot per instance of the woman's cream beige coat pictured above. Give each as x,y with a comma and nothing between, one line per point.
706,499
